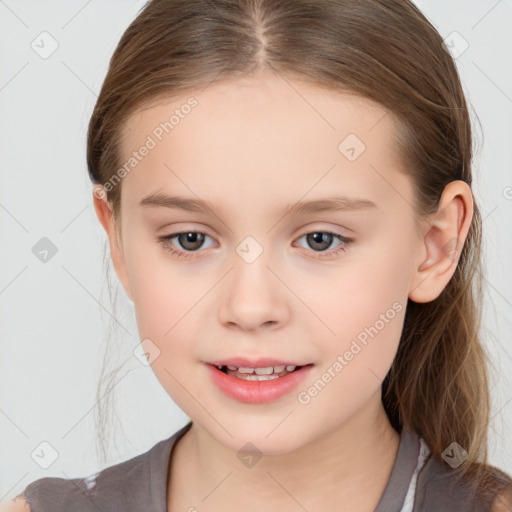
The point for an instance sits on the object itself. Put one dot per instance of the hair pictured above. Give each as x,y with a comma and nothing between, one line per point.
385,51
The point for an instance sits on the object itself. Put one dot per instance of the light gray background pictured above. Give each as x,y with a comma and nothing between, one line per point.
55,316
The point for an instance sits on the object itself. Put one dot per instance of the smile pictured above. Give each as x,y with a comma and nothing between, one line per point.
260,374
257,385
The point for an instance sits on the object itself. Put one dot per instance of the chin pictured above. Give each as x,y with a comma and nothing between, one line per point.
262,437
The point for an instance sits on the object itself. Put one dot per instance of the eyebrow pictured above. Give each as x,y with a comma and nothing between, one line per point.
330,204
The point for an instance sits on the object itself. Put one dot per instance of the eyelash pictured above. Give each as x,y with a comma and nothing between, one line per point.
164,241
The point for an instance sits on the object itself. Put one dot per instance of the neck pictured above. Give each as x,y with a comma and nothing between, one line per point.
349,465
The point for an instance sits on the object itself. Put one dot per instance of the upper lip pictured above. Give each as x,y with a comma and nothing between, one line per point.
262,362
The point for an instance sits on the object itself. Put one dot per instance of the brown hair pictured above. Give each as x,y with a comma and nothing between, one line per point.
385,51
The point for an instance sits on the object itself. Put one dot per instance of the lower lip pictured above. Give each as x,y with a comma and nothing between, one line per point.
257,391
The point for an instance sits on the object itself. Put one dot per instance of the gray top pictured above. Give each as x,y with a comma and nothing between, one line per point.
140,484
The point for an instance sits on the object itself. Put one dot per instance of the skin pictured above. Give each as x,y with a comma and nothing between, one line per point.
15,506
251,147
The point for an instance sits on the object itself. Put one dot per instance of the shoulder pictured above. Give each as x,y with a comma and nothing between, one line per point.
502,502
136,484
441,488
54,494
120,486
496,489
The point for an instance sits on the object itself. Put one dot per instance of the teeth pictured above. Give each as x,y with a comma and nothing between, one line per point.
245,370
264,371
260,377
269,370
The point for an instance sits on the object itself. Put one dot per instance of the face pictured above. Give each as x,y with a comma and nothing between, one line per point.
257,276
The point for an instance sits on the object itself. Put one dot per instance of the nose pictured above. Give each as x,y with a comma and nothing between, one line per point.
253,297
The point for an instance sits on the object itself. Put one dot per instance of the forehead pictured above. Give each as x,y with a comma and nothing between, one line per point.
259,135
262,101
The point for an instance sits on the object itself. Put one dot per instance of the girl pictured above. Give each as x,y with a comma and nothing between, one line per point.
286,190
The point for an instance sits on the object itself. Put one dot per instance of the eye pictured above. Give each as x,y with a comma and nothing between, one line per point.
323,239
189,240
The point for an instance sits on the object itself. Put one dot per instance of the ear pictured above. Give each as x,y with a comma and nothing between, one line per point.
441,244
103,210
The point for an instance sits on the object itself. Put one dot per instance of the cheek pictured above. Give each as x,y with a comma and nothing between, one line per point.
166,307
364,308
164,297
365,313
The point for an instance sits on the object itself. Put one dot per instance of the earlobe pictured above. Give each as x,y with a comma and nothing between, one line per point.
104,213
440,247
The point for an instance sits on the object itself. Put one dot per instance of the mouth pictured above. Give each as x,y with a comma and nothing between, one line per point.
257,385
258,374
